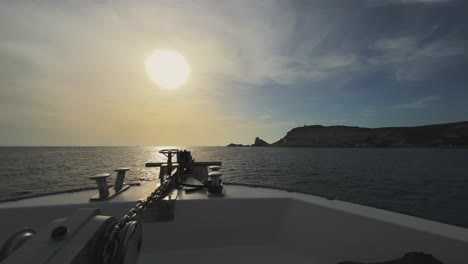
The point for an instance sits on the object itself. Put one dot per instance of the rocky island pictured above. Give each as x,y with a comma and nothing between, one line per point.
236,145
439,135
258,143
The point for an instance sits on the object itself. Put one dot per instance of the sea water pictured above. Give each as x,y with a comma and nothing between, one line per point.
429,183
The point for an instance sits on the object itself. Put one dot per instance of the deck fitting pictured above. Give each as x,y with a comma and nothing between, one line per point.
59,232
101,181
119,180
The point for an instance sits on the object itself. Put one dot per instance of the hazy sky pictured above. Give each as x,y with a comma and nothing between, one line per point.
72,72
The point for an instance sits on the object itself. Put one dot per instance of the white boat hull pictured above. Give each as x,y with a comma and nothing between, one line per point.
258,225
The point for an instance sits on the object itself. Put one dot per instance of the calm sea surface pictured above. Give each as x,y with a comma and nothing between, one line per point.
430,183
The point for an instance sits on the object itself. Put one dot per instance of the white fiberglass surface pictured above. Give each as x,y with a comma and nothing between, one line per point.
252,225
254,254
277,228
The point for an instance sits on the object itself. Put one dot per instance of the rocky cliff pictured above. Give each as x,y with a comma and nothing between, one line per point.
440,135
260,143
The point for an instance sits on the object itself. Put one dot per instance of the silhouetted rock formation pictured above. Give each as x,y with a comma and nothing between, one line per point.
260,143
236,145
440,135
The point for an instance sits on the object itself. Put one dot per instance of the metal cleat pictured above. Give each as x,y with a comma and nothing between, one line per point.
104,192
101,181
119,180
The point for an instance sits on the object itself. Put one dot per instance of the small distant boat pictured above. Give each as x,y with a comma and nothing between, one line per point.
189,215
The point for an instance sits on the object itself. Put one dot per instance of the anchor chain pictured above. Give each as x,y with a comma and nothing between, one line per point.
113,243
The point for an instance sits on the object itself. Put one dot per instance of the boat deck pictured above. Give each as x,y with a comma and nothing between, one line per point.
248,254
257,225
82,197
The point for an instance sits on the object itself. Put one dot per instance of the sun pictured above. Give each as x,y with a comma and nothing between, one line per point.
167,68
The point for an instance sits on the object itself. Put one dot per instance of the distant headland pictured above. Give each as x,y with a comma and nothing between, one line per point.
449,135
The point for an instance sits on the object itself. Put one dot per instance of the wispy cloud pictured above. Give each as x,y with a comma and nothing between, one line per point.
289,70
420,103
415,58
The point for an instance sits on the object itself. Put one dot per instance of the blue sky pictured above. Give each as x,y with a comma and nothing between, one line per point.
71,72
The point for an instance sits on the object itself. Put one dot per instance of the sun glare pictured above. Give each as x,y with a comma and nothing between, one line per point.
167,68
